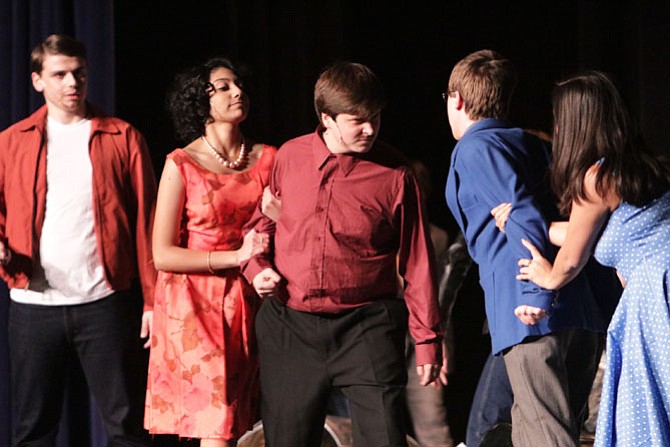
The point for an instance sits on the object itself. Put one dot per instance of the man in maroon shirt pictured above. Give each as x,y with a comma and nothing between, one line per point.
350,221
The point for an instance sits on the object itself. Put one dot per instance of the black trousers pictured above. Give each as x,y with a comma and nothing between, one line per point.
303,356
103,336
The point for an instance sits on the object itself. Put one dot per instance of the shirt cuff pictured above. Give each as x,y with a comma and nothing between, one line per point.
545,299
428,353
253,267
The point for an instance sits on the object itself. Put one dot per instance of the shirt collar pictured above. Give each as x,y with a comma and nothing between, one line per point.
99,120
487,123
321,153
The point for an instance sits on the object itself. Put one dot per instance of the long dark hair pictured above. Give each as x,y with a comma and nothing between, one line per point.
592,124
188,98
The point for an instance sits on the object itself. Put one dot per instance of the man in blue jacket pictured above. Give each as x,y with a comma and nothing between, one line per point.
551,365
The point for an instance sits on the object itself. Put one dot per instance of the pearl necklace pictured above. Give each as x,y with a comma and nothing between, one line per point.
241,157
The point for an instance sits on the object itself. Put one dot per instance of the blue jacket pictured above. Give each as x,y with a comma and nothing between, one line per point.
493,163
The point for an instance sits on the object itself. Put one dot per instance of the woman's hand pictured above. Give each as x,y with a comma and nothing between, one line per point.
537,269
500,213
252,245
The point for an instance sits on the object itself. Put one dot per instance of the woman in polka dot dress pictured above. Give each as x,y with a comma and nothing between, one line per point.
605,177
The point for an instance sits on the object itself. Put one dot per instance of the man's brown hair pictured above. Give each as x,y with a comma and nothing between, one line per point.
56,44
485,80
348,87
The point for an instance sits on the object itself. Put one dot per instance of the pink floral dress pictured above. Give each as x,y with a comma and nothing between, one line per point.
203,367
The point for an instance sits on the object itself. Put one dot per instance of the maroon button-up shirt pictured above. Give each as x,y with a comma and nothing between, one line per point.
349,223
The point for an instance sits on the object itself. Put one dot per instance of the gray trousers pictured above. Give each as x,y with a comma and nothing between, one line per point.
551,377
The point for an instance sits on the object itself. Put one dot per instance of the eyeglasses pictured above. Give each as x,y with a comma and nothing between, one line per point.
447,94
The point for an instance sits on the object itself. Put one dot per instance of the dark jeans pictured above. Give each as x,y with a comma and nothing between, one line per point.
304,356
492,402
103,336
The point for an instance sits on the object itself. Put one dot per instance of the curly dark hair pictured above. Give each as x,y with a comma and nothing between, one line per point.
187,100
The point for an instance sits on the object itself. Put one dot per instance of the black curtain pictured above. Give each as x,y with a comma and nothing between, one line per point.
412,47
139,46
23,24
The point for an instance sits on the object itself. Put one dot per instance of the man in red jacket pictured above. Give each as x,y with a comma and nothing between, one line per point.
78,193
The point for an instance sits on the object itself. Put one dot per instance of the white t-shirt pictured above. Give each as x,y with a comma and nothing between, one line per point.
70,270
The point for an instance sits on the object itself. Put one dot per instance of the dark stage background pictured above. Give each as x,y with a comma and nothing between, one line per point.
412,47
136,47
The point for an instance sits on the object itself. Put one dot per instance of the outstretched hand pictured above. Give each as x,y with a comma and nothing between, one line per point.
537,269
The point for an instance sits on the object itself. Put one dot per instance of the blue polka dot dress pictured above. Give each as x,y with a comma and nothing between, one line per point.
635,402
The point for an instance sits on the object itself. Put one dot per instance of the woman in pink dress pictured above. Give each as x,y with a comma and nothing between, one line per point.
203,369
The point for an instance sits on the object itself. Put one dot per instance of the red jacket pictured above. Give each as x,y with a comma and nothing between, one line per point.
124,195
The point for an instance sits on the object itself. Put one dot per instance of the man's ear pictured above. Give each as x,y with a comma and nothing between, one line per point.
458,101
38,83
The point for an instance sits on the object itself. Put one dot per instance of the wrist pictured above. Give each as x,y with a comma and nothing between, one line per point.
554,283
209,263
239,259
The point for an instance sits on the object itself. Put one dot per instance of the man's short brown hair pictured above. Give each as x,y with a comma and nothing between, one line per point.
55,44
485,80
348,87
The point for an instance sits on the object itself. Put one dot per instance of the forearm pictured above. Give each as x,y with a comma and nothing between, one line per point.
561,274
579,236
565,268
185,260
557,232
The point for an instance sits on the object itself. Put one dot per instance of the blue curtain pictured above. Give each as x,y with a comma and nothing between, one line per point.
24,23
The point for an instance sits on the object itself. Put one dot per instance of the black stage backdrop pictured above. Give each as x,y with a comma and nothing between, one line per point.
136,47
412,47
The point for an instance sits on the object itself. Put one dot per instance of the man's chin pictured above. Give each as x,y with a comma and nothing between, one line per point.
366,146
